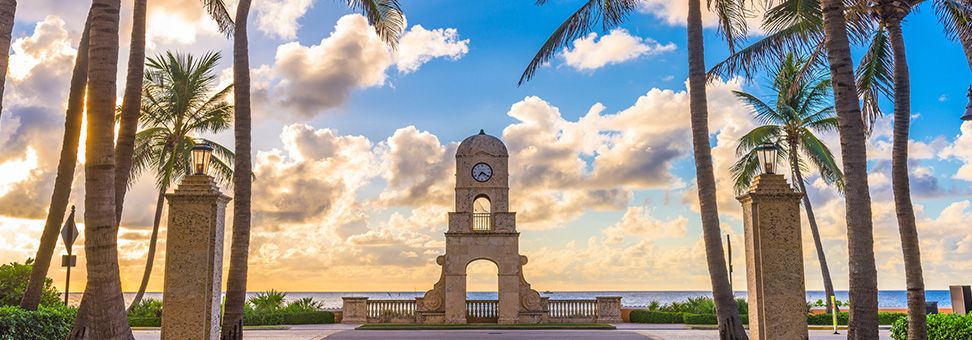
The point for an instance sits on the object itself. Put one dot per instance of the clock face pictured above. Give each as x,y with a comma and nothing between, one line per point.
481,172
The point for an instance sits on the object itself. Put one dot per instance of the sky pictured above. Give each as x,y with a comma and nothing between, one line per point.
354,143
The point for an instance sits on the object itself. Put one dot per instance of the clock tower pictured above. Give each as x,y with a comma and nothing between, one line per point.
481,228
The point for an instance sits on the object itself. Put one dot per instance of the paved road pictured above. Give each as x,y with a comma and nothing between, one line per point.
624,332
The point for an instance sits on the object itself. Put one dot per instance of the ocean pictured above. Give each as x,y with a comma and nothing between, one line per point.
332,300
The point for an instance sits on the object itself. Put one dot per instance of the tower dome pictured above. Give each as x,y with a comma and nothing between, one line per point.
481,143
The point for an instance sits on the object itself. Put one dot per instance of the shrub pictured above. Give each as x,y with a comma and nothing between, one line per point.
13,282
884,318
651,316
144,321
147,308
47,322
268,301
700,319
307,304
940,327
287,318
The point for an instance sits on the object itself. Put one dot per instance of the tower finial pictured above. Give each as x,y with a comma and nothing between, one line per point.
482,132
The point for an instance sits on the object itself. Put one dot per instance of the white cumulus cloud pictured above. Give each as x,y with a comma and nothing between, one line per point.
618,46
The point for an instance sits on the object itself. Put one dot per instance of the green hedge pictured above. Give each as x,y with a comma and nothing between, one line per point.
144,321
940,327
47,322
287,318
699,319
884,318
647,316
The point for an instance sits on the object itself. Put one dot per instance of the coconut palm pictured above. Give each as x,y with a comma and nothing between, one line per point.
790,123
65,175
102,312
732,25
388,21
178,101
7,10
131,102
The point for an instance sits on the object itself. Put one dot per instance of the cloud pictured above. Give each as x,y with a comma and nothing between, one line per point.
590,53
312,79
280,18
961,150
637,222
419,46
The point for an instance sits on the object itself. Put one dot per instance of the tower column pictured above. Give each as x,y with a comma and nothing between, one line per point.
455,298
509,298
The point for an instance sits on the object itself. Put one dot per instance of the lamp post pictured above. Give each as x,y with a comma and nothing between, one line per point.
766,153
194,253
968,107
201,153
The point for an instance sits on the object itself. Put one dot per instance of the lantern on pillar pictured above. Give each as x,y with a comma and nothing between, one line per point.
968,107
766,153
201,153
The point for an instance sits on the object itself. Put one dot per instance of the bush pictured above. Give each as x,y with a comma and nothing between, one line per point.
287,318
940,327
884,318
700,319
268,301
144,321
650,316
147,308
47,322
307,304
13,282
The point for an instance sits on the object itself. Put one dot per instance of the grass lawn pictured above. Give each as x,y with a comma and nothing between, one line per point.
388,326
269,327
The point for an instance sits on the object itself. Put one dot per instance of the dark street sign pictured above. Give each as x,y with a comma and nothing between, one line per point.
69,260
69,233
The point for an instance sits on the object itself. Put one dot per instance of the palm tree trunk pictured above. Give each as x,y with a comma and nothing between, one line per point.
7,10
863,322
131,106
104,317
814,231
730,325
901,187
65,176
160,203
232,327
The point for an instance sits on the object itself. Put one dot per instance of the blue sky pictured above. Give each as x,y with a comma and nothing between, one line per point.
359,151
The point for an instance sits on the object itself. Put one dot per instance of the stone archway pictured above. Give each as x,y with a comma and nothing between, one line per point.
482,276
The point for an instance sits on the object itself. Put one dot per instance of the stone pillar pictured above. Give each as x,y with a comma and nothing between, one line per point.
355,310
509,298
609,309
455,299
193,260
774,259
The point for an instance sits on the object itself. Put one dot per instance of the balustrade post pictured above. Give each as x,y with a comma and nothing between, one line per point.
355,310
608,309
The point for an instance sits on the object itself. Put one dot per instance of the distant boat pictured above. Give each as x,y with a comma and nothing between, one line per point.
547,292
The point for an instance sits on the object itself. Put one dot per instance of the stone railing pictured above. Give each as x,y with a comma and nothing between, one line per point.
391,311
359,310
569,309
482,311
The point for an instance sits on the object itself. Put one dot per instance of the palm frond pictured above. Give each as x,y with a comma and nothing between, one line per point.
385,15
732,20
875,77
217,11
765,114
609,13
758,136
820,156
956,17
743,171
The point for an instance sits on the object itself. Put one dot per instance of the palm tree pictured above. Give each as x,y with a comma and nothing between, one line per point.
863,323
178,102
7,10
102,312
790,124
388,21
731,13
65,175
130,106
133,97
